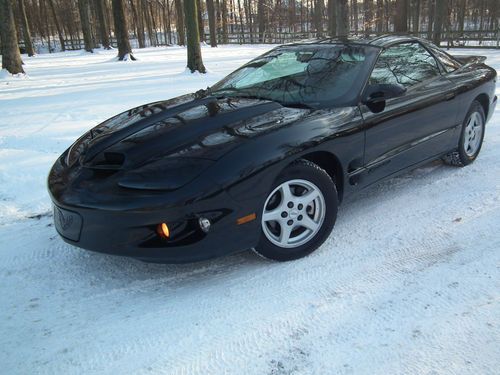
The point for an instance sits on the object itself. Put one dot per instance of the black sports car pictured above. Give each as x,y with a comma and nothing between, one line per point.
263,158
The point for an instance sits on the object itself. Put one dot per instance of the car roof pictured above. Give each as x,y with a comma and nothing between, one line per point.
383,41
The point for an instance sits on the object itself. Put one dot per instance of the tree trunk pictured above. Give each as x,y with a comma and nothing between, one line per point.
181,40
83,9
416,19
318,17
430,24
144,14
401,16
332,17
153,24
248,17
367,8
166,16
342,19
121,30
291,16
103,24
211,23
380,16
26,29
261,10
11,58
139,25
462,4
242,29
494,9
439,20
201,26
224,21
194,60
354,15
56,23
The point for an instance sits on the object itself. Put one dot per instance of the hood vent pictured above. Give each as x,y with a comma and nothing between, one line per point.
109,160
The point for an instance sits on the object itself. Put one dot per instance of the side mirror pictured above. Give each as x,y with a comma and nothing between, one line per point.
377,94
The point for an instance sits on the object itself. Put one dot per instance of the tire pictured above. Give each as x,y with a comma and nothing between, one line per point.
307,213
471,137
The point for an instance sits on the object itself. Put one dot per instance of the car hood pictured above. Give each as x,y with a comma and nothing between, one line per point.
185,126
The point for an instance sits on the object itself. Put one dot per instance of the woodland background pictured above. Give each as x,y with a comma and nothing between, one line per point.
38,26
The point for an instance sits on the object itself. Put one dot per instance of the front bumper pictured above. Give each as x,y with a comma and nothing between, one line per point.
101,216
134,234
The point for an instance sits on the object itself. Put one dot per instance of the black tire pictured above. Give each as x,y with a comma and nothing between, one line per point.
460,157
312,173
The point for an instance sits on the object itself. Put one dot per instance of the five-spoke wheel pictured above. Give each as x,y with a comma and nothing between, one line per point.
299,212
293,213
471,137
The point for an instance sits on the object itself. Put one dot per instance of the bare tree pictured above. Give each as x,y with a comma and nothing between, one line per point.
11,58
332,17
368,19
199,13
181,36
139,25
224,21
439,20
103,24
211,23
26,29
342,18
83,9
401,16
56,23
318,17
261,16
354,15
194,60
121,31
462,4
380,16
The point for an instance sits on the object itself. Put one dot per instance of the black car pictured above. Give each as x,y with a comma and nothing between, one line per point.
263,158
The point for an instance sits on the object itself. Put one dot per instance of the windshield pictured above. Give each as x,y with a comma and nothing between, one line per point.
311,75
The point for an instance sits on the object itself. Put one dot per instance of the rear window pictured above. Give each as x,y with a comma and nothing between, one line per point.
448,62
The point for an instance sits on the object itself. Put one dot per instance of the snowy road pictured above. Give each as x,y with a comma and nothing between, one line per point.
408,283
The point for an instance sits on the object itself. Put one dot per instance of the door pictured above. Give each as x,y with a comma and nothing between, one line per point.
415,126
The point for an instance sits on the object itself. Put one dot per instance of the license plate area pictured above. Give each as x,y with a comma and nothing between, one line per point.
68,223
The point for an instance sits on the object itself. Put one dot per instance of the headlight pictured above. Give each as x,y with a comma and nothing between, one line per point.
165,174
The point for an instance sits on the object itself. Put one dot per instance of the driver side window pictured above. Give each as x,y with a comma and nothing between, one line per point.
406,64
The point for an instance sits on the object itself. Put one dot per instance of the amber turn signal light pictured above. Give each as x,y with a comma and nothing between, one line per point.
246,219
163,231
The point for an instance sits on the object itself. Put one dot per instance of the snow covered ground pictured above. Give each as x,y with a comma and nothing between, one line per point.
408,283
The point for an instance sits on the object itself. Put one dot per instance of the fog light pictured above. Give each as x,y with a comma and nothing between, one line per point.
204,224
163,230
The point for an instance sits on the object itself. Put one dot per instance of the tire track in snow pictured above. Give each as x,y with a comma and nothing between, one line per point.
411,259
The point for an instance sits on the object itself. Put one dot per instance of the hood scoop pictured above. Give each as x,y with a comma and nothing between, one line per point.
144,123
185,126
108,161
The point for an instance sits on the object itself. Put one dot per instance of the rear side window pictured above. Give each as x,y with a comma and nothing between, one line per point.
406,64
449,63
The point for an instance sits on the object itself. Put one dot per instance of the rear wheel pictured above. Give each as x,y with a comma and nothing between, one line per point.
299,212
471,138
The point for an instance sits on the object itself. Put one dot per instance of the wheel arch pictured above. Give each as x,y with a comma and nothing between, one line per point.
331,164
484,100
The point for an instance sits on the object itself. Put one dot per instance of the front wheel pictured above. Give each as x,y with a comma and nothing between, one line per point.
471,138
299,213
